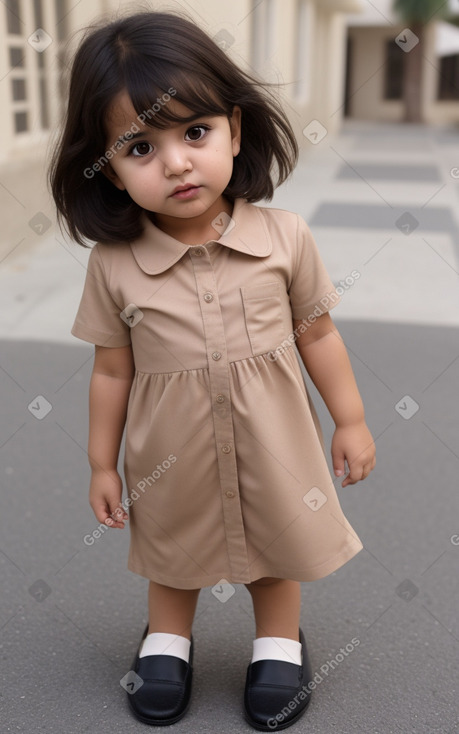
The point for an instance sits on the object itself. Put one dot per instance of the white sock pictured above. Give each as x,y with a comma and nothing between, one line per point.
277,648
163,643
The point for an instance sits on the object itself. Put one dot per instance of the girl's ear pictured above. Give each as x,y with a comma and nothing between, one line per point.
235,125
113,177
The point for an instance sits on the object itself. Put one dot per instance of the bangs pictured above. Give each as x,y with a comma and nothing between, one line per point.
172,73
153,89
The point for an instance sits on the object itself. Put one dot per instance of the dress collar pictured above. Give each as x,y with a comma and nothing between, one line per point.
155,251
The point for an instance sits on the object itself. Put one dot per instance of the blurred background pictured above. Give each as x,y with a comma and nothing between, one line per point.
338,59
372,90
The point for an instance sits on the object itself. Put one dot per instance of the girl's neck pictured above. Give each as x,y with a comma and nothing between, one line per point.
195,230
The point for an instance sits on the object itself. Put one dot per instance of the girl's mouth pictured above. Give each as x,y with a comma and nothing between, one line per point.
185,192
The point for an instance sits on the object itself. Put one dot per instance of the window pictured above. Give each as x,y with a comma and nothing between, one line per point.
29,82
20,122
13,17
16,58
448,83
18,90
394,71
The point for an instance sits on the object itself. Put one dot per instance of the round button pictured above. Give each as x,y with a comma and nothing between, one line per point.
208,297
198,251
229,494
226,448
216,356
220,398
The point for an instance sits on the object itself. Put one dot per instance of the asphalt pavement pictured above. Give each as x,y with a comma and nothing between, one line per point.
381,200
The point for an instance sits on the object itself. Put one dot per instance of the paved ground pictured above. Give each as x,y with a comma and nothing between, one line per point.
381,200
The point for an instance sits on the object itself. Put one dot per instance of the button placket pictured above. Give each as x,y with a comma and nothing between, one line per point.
219,379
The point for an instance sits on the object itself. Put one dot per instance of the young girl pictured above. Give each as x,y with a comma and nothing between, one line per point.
194,299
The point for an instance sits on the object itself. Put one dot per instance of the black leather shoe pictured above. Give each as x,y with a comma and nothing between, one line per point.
277,692
164,696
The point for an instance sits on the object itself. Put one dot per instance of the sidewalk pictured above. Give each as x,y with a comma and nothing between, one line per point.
71,614
382,199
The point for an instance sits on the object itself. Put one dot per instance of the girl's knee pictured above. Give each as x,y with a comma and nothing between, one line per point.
265,581
162,589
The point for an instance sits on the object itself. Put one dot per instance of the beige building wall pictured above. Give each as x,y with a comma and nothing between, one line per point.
437,111
298,43
367,70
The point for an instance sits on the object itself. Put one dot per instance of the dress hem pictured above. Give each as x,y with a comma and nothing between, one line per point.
313,573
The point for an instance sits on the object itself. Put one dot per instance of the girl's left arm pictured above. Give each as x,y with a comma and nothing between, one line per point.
326,360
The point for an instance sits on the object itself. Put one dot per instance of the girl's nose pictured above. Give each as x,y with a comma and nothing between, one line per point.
176,160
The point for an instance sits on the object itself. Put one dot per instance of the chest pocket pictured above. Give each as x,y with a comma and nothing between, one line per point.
263,316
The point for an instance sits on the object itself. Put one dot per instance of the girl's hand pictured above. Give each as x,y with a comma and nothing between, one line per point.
353,443
105,498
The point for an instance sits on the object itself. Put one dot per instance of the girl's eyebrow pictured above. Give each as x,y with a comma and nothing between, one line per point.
124,139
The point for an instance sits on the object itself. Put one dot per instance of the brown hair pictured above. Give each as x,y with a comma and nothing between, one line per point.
153,56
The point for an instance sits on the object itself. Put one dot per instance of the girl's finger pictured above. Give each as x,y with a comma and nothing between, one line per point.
355,475
103,515
114,523
338,464
366,470
101,511
118,516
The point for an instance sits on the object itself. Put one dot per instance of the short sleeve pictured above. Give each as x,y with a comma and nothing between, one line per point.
311,289
98,317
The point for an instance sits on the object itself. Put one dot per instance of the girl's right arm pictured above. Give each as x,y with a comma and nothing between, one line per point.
109,390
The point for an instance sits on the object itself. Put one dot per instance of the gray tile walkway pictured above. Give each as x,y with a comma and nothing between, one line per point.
389,172
376,216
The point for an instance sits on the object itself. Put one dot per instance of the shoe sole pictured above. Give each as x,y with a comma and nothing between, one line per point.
159,722
280,725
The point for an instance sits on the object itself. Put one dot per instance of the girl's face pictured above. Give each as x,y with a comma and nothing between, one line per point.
178,173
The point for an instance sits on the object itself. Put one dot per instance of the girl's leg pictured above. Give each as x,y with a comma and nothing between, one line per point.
276,605
171,610
276,684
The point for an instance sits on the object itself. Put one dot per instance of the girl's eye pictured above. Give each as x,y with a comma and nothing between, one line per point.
196,133
139,150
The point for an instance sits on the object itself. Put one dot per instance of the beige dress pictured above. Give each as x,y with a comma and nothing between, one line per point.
226,475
